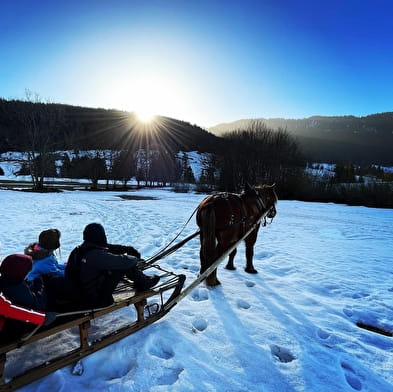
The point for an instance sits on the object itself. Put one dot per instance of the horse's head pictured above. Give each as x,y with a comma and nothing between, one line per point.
269,199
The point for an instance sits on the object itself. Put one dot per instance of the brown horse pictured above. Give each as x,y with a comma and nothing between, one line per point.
225,218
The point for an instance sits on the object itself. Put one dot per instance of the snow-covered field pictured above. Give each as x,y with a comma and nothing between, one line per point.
292,327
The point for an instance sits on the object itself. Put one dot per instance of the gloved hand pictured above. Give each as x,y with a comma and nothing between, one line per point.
123,249
133,252
116,249
50,317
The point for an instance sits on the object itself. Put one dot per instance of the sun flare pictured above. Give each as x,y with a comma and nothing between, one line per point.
149,95
145,115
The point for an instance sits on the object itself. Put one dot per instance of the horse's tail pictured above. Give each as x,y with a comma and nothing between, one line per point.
206,219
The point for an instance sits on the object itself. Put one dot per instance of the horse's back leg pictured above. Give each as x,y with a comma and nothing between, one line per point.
230,265
250,242
208,252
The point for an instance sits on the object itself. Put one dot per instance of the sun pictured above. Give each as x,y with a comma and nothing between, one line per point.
150,95
145,115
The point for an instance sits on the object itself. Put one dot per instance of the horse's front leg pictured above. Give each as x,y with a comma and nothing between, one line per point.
230,265
250,242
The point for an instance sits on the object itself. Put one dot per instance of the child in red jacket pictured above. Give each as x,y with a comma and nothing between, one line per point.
18,297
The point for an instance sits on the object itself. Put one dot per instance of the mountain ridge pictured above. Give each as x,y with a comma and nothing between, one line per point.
366,139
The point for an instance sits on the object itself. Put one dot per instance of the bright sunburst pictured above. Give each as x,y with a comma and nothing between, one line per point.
145,115
149,94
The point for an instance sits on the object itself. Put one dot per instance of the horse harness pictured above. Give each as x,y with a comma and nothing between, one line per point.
244,218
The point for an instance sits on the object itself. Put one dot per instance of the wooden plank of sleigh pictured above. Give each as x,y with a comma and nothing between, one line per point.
163,294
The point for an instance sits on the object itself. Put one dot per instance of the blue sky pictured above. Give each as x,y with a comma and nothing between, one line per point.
205,62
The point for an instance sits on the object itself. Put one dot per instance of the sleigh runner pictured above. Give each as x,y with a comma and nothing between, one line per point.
150,306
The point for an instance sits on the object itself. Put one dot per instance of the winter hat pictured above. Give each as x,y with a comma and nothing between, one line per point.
49,239
95,233
16,266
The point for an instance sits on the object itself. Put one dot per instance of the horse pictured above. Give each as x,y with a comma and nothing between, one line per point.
224,218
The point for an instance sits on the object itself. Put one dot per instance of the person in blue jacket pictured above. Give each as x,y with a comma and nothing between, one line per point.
42,253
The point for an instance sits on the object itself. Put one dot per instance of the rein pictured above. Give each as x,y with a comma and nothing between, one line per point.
263,212
165,251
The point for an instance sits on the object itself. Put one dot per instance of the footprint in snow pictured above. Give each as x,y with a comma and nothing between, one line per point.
264,255
322,334
161,350
348,312
282,354
242,304
351,377
170,376
250,283
200,294
199,324
360,295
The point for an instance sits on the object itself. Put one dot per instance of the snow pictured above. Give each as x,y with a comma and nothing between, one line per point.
292,327
196,162
11,163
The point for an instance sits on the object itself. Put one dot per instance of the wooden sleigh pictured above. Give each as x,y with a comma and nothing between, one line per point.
150,306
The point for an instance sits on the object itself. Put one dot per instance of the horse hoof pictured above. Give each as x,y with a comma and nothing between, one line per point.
229,267
251,270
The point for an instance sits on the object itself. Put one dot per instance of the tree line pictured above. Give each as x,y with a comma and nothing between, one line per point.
115,148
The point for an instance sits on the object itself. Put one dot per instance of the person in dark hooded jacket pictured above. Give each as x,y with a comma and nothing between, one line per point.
100,268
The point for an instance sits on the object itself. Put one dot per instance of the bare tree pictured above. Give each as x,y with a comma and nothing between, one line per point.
258,155
37,123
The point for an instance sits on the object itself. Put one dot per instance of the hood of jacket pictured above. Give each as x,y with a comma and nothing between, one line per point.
37,252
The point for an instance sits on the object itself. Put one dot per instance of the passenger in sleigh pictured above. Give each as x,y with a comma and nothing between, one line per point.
46,266
96,268
42,253
16,290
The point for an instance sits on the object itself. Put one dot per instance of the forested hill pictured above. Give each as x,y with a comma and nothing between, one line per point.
366,139
74,127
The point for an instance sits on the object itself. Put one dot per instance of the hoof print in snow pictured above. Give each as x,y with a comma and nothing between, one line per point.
243,304
161,350
250,283
281,354
348,312
323,334
199,324
351,378
360,295
201,294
